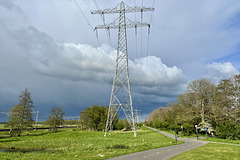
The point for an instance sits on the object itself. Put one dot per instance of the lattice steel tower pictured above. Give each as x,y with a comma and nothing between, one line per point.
121,92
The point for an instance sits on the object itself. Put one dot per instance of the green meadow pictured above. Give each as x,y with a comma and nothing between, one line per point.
78,144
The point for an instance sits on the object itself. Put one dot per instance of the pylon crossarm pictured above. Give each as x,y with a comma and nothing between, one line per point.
118,9
129,24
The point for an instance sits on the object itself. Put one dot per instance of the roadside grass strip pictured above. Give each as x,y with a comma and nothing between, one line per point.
222,140
211,151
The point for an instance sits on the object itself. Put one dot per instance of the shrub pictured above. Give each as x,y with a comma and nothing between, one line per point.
228,130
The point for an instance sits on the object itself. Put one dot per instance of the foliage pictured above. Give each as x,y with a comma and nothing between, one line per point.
94,118
228,130
156,123
206,105
187,129
55,119
204,125
119,125
20,116
71,122
202,90
80,144
126,124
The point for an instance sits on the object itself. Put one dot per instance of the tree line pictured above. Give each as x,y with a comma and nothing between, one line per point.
95,117
20,115
209,107
92,118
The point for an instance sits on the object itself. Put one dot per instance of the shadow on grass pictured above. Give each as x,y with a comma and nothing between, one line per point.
8,140
36,134
117,146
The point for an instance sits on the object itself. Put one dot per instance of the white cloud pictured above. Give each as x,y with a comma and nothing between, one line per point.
152,71
83,62
217,71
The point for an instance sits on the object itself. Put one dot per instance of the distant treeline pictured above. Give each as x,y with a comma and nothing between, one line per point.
95,117
215,108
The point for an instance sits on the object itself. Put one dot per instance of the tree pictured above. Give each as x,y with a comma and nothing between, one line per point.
56,118
156,123
236,96
221,109
94,118
126,124
119,125
203,91
20,116
214,108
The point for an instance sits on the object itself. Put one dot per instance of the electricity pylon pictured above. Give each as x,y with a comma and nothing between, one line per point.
137,115
121,92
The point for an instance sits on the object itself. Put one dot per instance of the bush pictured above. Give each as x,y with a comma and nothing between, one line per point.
228,130
187,129
119,125
156,124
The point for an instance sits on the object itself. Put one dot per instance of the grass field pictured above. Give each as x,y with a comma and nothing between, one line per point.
211,151
77,144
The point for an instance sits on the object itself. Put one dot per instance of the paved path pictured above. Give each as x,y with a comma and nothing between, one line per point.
165,152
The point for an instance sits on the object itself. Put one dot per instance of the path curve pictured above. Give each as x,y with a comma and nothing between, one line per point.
163,153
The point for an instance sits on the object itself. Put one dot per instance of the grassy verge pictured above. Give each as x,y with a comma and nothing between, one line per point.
181,135
211,151
77,144
222,140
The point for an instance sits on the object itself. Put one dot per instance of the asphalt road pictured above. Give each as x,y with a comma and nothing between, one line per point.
165,152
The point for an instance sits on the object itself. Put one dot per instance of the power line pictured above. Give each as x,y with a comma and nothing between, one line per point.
96,34
71,117
148,46
83,14
137,115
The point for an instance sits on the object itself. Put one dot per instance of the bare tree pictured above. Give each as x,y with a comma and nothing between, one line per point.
203,91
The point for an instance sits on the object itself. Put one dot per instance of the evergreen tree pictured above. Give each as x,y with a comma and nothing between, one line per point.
20,116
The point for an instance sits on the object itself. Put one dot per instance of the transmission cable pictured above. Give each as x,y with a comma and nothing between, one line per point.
148,46
85,17
83,14
107,34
